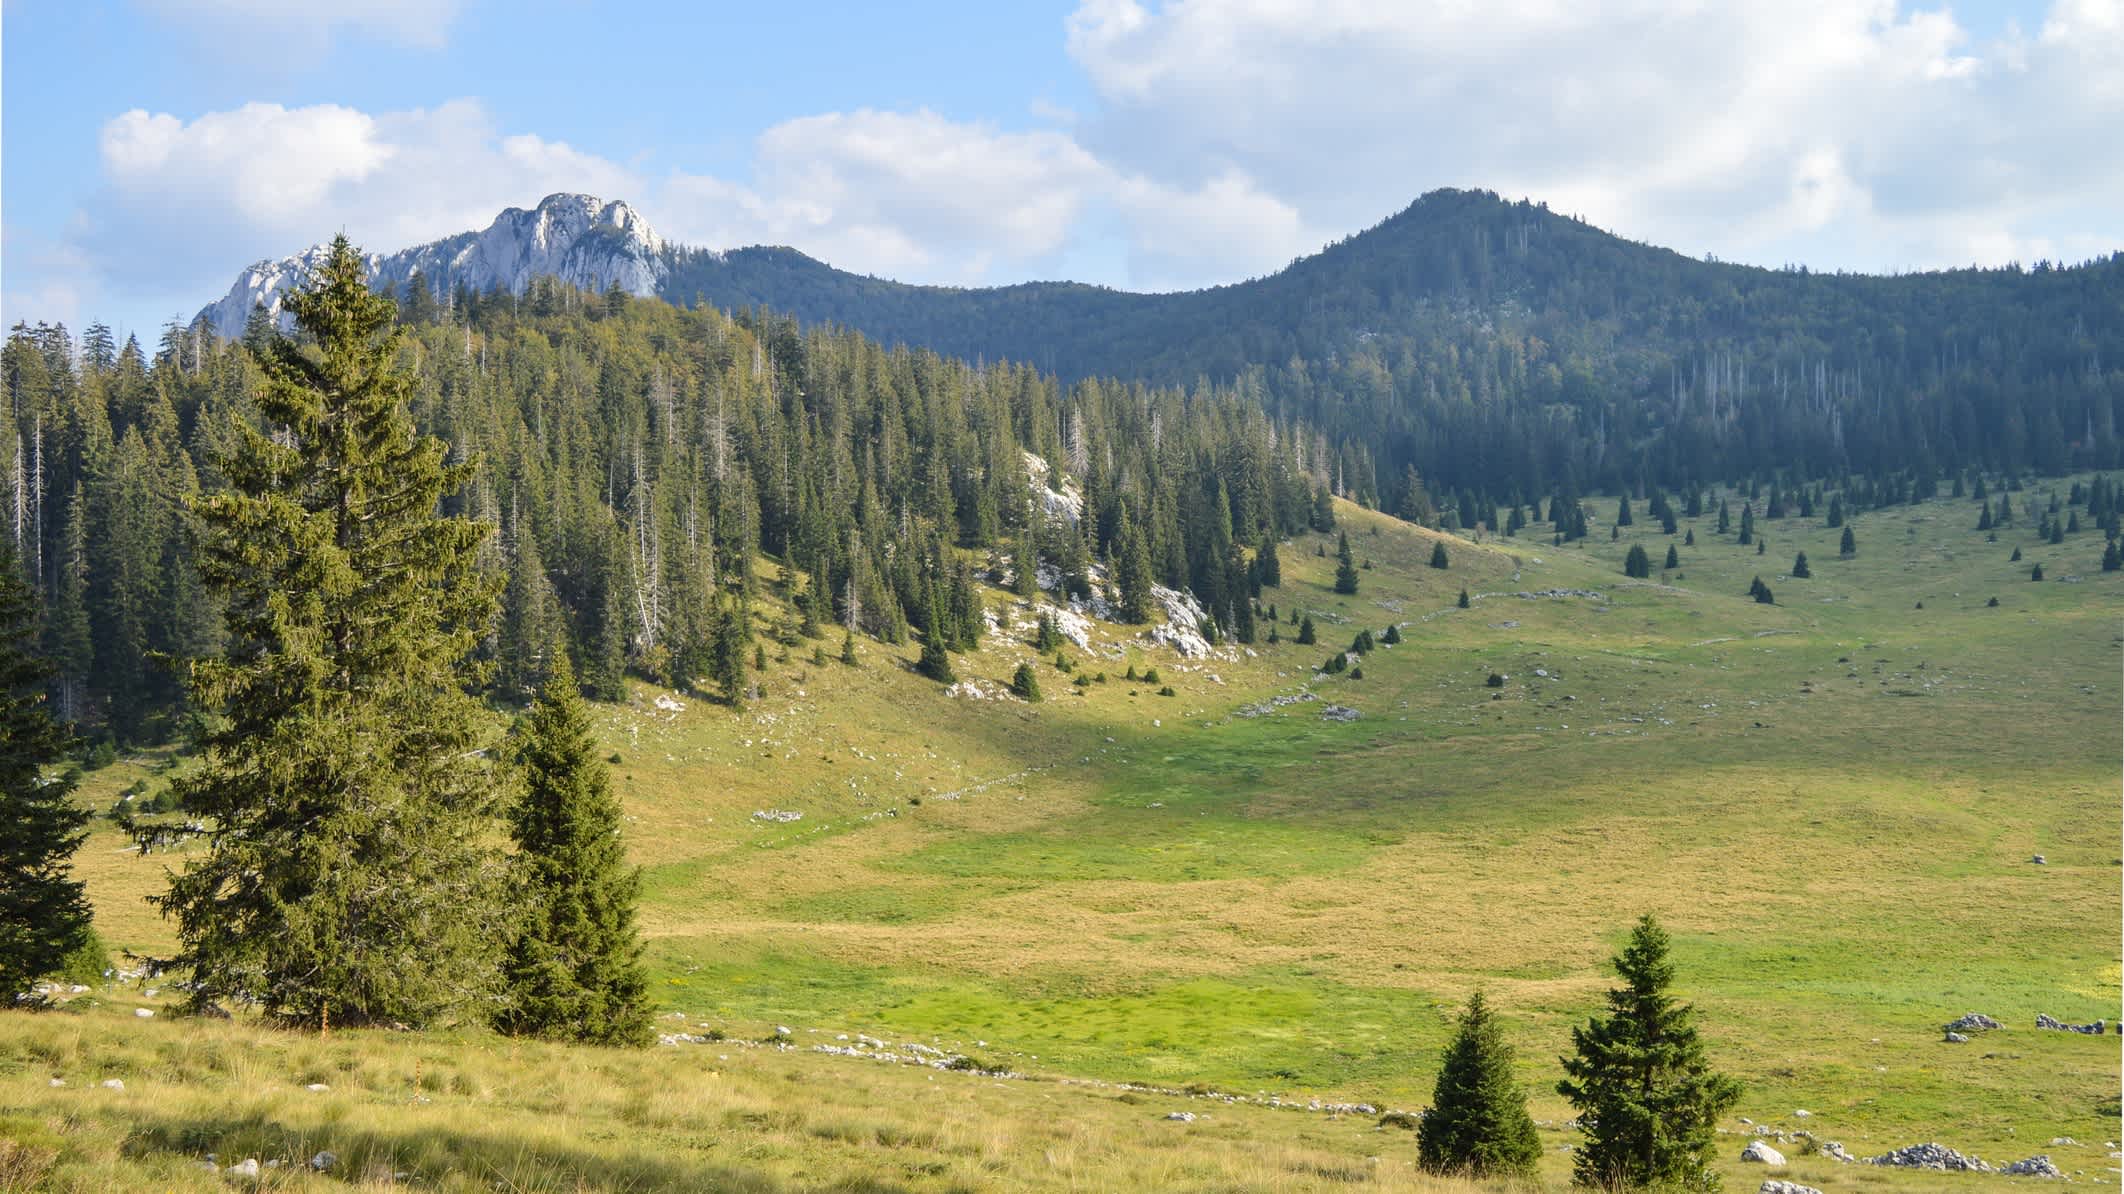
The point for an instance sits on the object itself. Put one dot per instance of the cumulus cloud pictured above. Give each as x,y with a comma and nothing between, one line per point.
1859,134
423,24
904,194
182,199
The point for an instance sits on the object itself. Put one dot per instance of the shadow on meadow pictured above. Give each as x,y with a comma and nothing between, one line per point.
439,1156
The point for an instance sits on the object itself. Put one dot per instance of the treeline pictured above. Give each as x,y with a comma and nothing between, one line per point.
1504,351
638,462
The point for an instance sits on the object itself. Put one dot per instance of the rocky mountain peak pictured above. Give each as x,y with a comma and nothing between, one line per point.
582,240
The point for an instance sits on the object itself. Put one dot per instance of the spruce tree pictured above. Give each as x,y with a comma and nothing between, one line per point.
1799,567
342,791
1026,683
1849,545
1307,636
1268,569
1438,555
1637,563
1463,603
574,968
1345,567
1478,1125
44,914
1673,558
1647,1099
1133,570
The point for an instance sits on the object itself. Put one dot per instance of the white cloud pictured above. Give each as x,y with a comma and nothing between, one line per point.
912,195
1863,135
423,24
185,199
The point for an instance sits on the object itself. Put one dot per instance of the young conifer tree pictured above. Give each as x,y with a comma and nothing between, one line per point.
1438,555
574,968
1345,567
1478,1126
344,797
43,912
1026,683
1647,1098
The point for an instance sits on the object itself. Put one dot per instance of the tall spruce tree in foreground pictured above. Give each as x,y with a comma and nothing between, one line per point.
1648,1100
574,968
1478,1126
43,913
342,790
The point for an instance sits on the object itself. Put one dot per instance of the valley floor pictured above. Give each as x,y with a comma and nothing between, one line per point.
1832,802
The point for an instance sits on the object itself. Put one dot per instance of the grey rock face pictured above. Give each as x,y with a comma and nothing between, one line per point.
580,239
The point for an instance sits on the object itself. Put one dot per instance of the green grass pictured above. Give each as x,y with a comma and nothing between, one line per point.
1831,802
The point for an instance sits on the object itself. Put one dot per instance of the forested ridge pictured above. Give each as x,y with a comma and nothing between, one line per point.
648,472
1502,349
1470,362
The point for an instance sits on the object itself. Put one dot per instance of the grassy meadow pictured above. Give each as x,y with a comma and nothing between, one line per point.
1832,802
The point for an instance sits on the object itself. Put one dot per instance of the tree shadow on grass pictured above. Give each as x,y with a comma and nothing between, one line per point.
428,1156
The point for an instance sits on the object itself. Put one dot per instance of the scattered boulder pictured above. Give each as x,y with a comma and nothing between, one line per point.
1834,1150
1400,1119
114,1084
1183,1117
2095,1029
2037,860
317,1088
2038,1166
1339,713
1956,1038
248,1167
1762,1154
1930,1156
1774,1186
324,1161
1974,1022
145,1013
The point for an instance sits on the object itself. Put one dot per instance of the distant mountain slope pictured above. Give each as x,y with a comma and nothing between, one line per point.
1498,349
1438,263
579,239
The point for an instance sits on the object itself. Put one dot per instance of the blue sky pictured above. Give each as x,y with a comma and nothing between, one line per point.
154,147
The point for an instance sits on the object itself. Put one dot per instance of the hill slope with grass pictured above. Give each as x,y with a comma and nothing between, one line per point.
1259,900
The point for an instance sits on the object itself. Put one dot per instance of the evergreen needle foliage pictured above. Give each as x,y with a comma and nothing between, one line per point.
1026,683
1647,1097
43,913
574,969
1478,1125
1345,567
342,790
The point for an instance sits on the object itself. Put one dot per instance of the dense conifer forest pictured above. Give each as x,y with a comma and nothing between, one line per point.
637,463
1504,351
